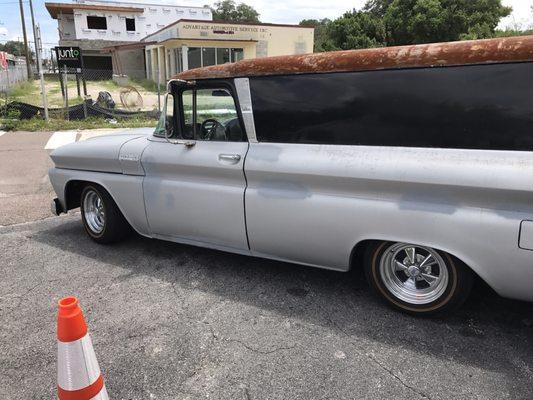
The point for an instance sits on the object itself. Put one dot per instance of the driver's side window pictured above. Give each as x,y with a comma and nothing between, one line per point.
210,115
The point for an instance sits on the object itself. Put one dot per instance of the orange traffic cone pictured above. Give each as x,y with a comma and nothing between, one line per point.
78,373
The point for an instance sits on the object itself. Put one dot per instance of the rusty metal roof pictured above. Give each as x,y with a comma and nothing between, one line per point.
488,51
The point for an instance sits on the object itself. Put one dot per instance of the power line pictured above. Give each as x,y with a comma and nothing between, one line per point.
29,41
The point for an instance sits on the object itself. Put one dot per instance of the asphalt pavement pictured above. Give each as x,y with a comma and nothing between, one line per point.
170,321
25,190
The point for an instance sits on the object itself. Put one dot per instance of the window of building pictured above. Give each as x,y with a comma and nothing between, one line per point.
237,55
223,56
97,22
178,60
208,56
130,24
195,57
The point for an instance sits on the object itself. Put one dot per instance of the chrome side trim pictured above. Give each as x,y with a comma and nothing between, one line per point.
245,99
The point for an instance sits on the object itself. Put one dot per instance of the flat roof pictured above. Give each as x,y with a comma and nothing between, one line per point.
126,46
488,51
206,21
206,40
140,45
68,8
130,3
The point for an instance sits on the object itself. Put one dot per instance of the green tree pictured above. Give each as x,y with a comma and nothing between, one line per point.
400,22
322,36
355,30
227,10
425,21
13,47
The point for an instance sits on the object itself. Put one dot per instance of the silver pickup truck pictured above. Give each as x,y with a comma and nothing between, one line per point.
413,163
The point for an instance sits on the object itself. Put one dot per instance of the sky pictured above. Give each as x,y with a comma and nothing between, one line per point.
275,11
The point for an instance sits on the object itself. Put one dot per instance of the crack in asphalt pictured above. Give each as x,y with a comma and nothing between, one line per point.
253,349
389,371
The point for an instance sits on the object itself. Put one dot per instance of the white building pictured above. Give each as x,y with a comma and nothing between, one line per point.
93,25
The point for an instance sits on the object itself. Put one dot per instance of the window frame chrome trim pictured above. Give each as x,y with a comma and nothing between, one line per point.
242,87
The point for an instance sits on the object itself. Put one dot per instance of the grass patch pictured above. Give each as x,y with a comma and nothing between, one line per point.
24,92
38,124
147,84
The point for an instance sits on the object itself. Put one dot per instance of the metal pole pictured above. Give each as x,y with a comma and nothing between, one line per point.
78,84
84,86
158,82
34,34
65,77
27,50
38,50
7,90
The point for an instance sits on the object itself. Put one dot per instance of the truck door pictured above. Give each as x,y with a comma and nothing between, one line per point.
194,185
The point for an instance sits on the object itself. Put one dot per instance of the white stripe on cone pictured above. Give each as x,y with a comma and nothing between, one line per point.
78,367
77,364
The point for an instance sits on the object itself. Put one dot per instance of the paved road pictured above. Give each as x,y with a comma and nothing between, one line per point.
170,321
25,190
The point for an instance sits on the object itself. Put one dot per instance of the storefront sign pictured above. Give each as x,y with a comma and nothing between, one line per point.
222,29
69,57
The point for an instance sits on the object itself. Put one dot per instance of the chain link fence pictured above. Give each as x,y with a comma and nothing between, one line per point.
71,95
11,76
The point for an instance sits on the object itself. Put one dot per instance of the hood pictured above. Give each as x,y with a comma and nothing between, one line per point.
100,153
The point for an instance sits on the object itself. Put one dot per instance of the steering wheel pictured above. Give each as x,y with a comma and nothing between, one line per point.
209,127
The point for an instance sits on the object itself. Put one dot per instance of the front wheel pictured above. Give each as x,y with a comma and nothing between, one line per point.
417,279
102,219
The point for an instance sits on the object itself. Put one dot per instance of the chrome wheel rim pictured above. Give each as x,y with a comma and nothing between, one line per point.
414,274
93,210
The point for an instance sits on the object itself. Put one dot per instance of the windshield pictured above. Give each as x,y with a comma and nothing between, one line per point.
165,125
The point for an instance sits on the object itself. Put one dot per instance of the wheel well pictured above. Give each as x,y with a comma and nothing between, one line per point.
73,191
357,255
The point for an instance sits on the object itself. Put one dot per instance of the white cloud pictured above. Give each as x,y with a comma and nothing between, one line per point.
522,16
3,31
293,11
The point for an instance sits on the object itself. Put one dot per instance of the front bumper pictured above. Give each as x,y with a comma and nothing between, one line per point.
56,207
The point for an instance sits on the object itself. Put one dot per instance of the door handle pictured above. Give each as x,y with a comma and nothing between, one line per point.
230,158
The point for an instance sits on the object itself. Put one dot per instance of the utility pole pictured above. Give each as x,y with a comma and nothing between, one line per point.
34,35
38,54
26,49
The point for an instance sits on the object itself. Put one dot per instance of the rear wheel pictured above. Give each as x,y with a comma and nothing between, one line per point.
417,279
102,219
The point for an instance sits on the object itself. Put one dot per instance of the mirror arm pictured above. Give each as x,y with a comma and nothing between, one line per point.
186,143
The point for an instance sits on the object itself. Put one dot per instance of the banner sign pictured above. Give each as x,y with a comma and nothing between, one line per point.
68,56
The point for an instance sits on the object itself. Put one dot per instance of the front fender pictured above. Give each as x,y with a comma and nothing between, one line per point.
126,191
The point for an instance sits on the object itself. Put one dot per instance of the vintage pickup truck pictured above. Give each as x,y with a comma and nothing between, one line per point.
414,163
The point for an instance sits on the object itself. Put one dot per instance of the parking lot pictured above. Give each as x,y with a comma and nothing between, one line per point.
170,321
